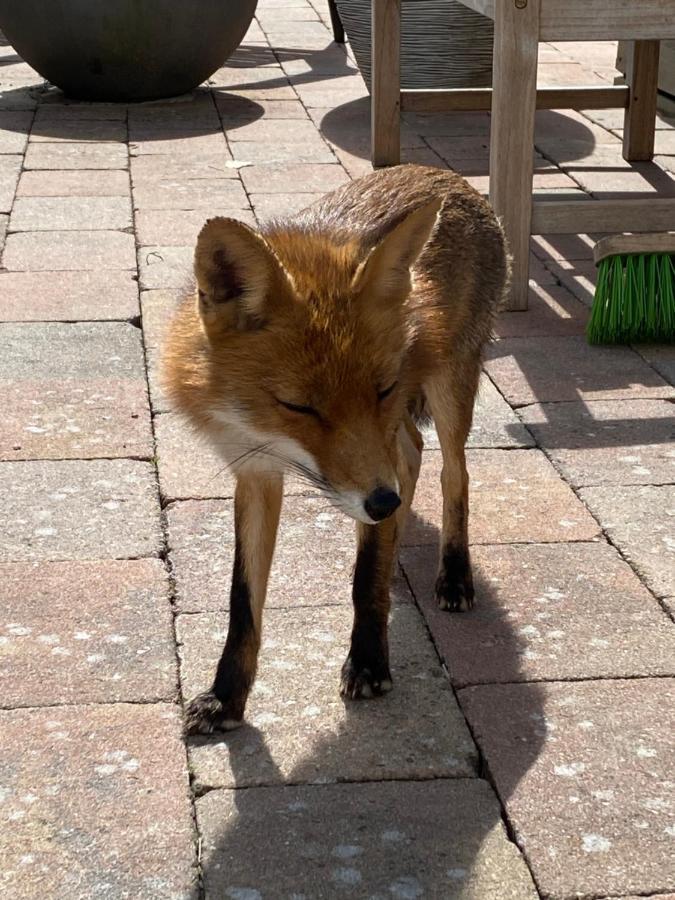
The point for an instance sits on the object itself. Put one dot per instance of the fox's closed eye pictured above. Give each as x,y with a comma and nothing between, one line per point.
385,393
299,408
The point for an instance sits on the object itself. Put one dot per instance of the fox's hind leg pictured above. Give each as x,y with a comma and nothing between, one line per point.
257,504
450,396
366,670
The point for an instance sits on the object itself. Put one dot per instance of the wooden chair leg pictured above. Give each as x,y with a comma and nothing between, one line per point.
514,99
386,82
640,121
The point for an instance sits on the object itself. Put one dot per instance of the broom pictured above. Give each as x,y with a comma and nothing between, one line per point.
635,292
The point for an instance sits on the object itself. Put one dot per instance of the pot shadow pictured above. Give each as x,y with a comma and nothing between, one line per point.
307,830
152,120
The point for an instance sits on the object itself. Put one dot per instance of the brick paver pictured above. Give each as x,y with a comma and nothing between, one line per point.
584,771
84,394
86,632
374,843
116,533
81,806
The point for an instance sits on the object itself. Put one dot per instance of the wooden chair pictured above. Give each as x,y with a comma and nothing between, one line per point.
520,25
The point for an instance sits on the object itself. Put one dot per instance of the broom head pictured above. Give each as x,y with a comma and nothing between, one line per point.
635,292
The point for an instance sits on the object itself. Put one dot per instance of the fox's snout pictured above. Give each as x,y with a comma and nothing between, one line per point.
381,503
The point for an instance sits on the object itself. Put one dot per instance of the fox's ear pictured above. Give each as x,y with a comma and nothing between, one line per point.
239,279
386,270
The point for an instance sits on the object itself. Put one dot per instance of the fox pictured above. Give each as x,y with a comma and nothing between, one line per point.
317,345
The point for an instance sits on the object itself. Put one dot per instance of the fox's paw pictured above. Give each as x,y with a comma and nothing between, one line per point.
454,585
206,714
360,682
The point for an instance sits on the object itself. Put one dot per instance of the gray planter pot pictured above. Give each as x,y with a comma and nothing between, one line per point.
125,50
443,44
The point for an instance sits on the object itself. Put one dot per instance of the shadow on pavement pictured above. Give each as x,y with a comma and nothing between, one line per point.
306,833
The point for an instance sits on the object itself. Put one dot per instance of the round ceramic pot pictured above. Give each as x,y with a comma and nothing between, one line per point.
125,50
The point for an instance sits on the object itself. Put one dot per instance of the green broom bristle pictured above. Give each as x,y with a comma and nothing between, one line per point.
634,300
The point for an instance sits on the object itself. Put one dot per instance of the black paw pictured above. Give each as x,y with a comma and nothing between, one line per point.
361,682
454,585
206,714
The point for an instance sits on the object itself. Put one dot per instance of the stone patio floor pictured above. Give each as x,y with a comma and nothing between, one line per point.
528,747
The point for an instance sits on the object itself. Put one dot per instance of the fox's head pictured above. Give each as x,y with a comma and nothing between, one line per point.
306,353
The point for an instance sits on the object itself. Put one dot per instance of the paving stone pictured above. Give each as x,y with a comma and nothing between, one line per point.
71,213
661,357
76,156
642,179
58,251
18,98
237,110
96,804
189,467
309,178
172,227
85,632
546,612
454,124
275,153
195,107
197,193
3,231
552,310
564,246
193,144
358,165
332,60
584,771
15,122
103,183
578,276
56,108
268,206
313,560
69,296
273,88
607,442
73,391
78,509
641,522
291,14
298,728
161,167
515,496
165,267
71,129
552,369
373,844
12,139
343,89
277,131
9,177
494,422
254,78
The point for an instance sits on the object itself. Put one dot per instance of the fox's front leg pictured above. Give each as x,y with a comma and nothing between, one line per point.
451,400
366,670
257,505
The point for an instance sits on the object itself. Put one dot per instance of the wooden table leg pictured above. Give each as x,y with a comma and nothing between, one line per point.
640,120
514,97
386,82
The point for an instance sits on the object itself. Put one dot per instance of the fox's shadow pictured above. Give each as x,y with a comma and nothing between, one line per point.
292,821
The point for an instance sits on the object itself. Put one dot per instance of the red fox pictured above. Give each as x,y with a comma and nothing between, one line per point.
314,346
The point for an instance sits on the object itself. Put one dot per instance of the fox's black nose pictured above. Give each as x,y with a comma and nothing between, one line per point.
381,503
